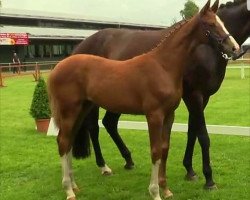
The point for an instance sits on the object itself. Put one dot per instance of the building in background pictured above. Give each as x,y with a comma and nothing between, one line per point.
42,36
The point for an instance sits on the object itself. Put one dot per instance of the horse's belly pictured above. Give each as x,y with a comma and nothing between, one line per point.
121,102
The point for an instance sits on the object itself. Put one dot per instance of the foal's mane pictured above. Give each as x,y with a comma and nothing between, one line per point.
232,4
172,30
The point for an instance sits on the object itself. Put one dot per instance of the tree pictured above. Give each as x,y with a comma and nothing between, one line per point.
174,21
190,9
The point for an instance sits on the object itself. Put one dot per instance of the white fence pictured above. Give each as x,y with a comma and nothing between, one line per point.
241,64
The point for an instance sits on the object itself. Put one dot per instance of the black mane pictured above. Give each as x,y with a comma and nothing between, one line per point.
232,4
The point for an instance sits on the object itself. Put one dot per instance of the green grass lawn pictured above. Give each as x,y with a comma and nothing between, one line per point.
30,166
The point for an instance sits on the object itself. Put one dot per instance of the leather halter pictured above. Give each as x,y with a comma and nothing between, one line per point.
218,39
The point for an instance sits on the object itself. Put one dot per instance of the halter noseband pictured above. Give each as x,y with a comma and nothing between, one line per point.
218,39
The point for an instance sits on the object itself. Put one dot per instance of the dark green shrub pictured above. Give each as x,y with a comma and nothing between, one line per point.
39,108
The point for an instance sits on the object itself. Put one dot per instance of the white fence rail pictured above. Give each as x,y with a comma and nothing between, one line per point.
241,64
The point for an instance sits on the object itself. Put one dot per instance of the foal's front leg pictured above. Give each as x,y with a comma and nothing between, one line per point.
167,126
155,125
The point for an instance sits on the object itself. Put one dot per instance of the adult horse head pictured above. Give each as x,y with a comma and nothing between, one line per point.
236,18
150,84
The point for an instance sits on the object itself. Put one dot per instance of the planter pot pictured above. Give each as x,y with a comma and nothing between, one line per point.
42,125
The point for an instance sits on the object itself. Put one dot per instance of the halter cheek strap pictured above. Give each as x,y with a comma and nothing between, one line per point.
216,38
220,41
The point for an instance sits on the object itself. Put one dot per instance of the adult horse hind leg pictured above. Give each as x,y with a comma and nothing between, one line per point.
110,122
91,122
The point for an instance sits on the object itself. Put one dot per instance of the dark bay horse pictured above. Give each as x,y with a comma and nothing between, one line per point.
150,84
122,44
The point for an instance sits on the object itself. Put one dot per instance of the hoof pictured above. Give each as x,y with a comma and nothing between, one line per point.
129,166
157,198
168,194
71,198
106,171
210,186
191,177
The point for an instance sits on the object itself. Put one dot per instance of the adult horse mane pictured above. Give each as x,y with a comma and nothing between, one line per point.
122,44
232,4
147,84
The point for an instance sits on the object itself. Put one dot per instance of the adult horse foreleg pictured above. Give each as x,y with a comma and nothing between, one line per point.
197,129
167,126
110,122
155,127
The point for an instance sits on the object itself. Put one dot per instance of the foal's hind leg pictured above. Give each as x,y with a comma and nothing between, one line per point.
110,122
155,125
167,126
73,183
65,138
64,144
68,181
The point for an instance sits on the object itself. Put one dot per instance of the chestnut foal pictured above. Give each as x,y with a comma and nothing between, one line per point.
150,84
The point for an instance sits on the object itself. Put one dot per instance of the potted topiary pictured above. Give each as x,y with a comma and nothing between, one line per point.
39,108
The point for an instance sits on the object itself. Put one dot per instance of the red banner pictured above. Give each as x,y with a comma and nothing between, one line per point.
14,39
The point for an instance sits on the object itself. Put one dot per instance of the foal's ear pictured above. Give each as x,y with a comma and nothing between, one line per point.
215,7
205,8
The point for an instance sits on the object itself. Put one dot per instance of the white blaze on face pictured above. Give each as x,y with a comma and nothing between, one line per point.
236,45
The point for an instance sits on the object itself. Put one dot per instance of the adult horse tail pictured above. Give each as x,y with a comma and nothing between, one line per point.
81,143
81,138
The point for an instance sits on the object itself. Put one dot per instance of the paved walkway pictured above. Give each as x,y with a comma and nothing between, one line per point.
178,127
217,129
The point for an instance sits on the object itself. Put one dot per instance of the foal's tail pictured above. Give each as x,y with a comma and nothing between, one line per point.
81,141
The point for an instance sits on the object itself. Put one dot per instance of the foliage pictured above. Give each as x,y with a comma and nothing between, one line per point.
190,9
39,108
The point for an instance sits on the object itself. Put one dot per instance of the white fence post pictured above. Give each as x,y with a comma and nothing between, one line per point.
242,72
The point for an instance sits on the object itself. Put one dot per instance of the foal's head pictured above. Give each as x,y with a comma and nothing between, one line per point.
214,30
